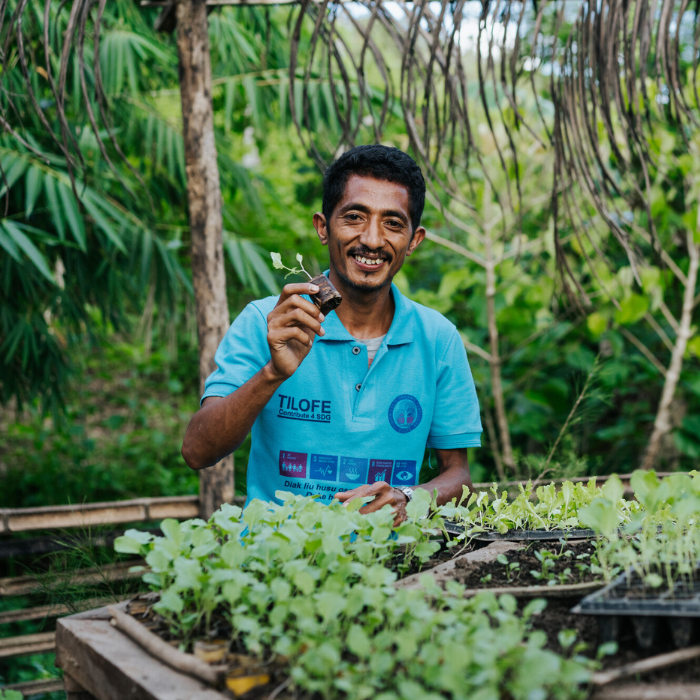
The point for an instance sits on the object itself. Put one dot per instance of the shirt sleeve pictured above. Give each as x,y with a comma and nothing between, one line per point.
242,353
456,419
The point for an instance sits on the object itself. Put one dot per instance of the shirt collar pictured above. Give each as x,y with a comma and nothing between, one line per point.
400,331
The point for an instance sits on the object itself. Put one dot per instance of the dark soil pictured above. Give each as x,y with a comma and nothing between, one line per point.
495,575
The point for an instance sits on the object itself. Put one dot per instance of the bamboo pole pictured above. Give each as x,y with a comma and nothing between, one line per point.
662,423
204,200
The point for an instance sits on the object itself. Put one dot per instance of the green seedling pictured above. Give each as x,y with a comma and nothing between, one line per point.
279,265
511,567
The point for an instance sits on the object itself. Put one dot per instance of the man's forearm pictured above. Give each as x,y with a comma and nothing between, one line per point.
222,423
454,474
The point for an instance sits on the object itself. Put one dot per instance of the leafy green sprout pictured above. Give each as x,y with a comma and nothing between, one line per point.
279,265
511,567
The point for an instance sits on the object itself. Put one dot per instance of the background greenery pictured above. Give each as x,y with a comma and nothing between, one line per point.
97,338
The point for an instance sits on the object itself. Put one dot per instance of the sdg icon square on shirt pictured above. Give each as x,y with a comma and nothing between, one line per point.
293,464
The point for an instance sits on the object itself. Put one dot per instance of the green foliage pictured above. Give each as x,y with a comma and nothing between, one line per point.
661,545
11,695
543,508
119,437
309,583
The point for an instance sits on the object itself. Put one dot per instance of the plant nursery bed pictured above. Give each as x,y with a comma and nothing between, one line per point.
555,565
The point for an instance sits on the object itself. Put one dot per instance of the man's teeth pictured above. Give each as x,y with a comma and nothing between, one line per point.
367,261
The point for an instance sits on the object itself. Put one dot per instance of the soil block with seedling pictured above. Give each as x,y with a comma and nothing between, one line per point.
653,614
327,298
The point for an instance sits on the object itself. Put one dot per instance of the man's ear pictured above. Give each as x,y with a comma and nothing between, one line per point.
418,238
321,228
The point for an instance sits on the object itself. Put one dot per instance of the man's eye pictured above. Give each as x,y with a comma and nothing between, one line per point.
352,217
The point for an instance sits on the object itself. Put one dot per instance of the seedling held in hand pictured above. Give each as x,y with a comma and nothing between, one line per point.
327,298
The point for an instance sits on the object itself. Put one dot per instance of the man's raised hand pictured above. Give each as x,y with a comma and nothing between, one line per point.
291,329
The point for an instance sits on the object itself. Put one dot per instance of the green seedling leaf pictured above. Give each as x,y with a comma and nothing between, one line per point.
566,638
653,580
132,542
170,602
171,529
607,649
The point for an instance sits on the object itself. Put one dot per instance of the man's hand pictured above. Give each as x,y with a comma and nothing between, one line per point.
383,493
291,328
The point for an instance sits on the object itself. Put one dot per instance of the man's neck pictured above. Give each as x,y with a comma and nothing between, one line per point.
365,314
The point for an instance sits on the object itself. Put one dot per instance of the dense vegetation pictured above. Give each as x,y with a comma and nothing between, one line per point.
111,268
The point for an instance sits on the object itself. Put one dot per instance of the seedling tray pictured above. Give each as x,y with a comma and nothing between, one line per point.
523,535
625,601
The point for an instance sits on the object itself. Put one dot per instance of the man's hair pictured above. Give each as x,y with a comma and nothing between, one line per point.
382,163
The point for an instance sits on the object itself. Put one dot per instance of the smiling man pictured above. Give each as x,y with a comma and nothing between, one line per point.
344,406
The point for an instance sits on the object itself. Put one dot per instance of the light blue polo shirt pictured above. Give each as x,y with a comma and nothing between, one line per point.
335,424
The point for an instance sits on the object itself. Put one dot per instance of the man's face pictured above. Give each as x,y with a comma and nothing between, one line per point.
369,234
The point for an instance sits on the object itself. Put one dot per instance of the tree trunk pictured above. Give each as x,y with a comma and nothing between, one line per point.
204,200
662,424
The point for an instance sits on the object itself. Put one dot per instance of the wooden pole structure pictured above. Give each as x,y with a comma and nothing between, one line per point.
204,199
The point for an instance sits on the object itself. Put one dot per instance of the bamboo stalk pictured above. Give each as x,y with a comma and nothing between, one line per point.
495,362
654,663
155,646
662,423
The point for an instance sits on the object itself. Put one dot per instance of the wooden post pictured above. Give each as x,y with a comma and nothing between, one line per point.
204,200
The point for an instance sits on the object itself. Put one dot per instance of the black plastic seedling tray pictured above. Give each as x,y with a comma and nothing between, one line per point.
624,602
524,535
536,535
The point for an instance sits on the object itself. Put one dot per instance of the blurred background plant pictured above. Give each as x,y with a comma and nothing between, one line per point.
97,350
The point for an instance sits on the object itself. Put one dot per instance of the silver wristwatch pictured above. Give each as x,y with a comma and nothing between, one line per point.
408,492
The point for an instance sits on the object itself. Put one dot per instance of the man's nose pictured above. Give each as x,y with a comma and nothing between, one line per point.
372,237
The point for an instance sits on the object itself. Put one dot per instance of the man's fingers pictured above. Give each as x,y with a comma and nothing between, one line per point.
364,490
296,317
300,288
378,503
284,335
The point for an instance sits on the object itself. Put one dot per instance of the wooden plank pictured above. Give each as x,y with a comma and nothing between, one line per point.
651,663
567,590
104,513
29,688
23,585
93,514
43,612
27,644
649,691
110,666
